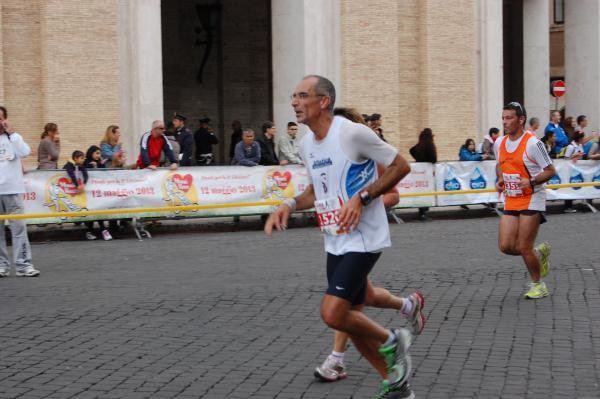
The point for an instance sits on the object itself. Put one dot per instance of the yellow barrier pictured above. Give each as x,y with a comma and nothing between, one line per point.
129,211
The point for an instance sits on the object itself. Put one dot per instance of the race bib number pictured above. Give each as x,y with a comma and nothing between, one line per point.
511,185
328,216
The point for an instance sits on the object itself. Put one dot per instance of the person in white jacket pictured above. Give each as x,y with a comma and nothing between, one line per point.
12,187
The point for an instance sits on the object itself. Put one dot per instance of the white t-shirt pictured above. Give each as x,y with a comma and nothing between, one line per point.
339,167
12,150
535,158
573,148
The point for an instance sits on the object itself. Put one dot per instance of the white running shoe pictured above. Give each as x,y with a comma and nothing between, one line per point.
106,235
29,271
331,370
90,236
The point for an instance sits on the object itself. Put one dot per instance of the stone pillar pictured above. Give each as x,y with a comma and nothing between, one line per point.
490,90
306,40
582,60
140,70
536,58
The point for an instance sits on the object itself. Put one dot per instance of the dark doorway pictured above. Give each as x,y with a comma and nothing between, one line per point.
217,64
513,50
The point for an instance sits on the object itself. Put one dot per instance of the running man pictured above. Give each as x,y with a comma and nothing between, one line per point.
340,157
522,169
333,367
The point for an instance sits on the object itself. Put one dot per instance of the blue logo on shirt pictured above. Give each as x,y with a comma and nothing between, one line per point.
322,163
358,176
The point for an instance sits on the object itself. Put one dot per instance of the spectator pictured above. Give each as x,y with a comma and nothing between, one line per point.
267,145
49,148
288,149
205,139
184,137
13,150
588,140
561,139
374,121
247,151
111,148
569,125
574,152
488,143
467,152
236,137
76,169
424,151
534,125
152,145
170,136
549,141
93,158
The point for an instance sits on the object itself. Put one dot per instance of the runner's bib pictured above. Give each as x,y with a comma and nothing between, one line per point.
328,216
511,185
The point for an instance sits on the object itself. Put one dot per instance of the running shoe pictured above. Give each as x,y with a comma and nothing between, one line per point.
90,236
4,273
544,251
537,290
396,356
106,235
415,317
29,271
394,391
331,370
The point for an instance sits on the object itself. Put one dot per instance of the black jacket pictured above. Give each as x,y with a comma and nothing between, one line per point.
204,139
186,145
267,152
71,169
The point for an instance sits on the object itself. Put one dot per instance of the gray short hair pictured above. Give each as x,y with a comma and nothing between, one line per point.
324,87
157,123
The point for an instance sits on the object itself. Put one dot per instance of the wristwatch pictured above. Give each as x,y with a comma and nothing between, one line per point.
532,182
365,198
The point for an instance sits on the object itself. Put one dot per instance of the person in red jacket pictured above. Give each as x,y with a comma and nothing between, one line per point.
152,145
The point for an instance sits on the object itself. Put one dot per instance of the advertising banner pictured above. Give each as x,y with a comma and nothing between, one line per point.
419,180
468,175
568,171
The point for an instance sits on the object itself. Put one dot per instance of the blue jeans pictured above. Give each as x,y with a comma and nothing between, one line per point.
13,204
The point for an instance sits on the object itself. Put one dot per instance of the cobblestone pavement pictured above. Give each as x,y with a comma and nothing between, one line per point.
235,315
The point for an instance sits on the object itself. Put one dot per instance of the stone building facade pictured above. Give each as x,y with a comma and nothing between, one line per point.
420,63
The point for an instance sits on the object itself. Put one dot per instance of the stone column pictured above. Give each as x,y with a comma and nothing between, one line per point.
582,60
306,40
536,58
491,82
140,70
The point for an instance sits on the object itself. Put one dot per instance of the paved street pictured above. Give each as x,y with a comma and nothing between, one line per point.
235,315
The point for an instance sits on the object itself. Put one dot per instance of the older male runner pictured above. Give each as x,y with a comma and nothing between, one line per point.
345,190
523,166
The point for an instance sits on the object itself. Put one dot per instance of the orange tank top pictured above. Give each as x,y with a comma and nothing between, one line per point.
513,170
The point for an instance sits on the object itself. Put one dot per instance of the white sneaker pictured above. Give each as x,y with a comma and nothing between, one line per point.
4,273
331,370
29,271
90,236
106,235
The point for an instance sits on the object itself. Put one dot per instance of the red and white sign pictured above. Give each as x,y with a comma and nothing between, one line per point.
558,88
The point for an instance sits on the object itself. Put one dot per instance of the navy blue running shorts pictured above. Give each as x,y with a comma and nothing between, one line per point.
347,275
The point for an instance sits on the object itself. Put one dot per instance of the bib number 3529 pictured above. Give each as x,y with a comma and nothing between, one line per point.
511,185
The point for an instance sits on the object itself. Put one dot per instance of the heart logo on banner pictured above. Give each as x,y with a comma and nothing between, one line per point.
184,183
282,179
67,186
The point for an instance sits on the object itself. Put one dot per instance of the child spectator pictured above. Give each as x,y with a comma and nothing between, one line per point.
76,169
93,160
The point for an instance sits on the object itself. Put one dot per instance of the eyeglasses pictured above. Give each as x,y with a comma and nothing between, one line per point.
304,95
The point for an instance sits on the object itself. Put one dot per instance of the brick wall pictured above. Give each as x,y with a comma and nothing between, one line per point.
60,64
414,62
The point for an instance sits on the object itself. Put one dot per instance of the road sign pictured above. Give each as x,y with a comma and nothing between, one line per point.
558,88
